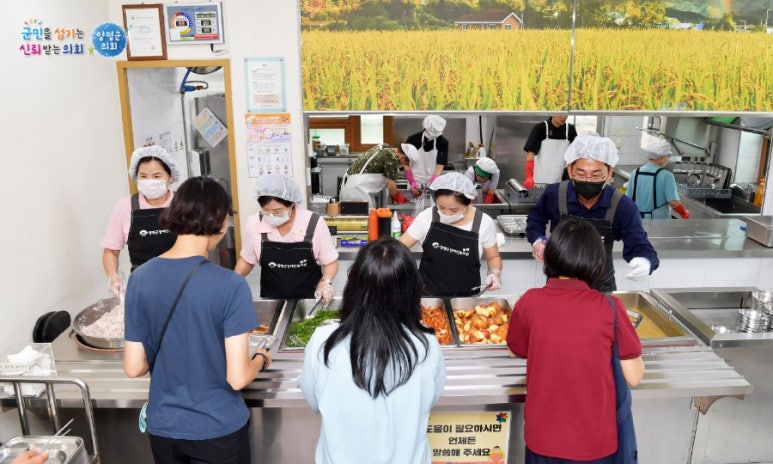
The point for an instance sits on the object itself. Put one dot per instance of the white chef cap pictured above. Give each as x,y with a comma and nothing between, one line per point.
592,147
279,186
153,151
487,164
456,182
658,149
434,125
410,151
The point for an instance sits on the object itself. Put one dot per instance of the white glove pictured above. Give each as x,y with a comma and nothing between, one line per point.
640,269
538,249
325,291
116,285
492,279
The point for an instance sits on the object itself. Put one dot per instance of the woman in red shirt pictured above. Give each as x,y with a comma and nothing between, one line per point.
565,330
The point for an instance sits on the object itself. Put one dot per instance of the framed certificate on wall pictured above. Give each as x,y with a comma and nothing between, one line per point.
144,26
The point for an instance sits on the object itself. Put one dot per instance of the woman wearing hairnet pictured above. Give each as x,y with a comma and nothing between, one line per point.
590,163
454,235
485,177
432,153
653,188
292,245
134,220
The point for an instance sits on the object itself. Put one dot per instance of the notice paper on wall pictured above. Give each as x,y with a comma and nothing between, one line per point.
268,144
469,437
210,127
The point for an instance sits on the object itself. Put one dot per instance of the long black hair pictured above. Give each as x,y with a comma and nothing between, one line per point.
381,312
575,250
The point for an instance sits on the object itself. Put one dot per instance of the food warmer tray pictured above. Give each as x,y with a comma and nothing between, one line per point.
512,224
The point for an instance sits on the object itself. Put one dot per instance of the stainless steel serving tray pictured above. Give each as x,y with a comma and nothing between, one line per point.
463,304
430,302
62,450
299,312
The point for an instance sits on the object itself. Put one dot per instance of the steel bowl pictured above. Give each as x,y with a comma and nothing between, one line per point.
90,315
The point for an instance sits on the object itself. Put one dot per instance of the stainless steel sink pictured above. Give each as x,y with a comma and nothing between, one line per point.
731,206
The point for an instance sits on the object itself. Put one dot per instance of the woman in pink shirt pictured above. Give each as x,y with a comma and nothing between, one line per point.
134,220
292,245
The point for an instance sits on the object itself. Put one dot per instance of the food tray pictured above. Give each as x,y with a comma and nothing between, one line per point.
704,192
461,306
307,326
268,312
446,338
62,450
512,224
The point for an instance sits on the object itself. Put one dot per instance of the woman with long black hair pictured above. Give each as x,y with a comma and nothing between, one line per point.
376,375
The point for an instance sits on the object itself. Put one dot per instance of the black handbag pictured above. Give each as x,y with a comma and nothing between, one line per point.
627,451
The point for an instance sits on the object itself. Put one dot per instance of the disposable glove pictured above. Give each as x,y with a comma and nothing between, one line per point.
325,291
538,249
116,284
492,279
529,182
682,211
640,269
415,189
489,197
431,180
399,198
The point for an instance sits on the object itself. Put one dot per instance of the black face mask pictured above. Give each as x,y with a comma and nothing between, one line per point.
588,190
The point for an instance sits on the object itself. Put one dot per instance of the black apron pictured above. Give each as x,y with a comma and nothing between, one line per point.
603,227
450,263
147,239
289,270
655,204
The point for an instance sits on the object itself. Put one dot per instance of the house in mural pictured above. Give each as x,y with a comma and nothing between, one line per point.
490,19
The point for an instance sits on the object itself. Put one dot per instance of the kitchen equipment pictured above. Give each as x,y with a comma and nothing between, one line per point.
92,314
515,193
635,318
61,449
512,224
751,321
354,208
760,229
763,301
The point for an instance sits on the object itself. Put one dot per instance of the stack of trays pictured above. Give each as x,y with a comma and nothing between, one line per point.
751,321
512,224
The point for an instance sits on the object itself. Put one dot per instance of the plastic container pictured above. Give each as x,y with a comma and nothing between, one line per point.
373,225
384,222
759,193
397,228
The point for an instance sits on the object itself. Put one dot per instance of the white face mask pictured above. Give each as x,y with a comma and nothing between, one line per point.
446,219
277,221
152,188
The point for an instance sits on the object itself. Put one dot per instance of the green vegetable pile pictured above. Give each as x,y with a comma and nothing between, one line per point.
300,331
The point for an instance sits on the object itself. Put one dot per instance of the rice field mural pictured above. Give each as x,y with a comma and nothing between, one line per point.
621,61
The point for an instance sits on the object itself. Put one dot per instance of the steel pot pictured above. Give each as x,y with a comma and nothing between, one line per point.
89,316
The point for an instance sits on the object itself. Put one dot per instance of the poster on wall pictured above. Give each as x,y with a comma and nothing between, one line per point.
264,81
268,144
632,55
194,23
469,437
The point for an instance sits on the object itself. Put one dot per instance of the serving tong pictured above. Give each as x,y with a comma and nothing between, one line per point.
315,308
64,430
483,289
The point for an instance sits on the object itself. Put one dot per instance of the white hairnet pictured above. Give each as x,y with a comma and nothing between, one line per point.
153,151
434,125
658,149
488,165
279,186
592,147
456,182
410,151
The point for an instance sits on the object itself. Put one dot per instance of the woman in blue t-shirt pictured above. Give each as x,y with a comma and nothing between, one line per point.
199,356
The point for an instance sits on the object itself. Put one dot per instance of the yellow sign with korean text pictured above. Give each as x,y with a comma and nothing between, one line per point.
469,437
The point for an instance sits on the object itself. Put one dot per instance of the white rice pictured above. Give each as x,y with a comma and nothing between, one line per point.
110,325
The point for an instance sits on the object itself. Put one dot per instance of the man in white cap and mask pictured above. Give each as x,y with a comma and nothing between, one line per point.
432,150
590,163
653,188
134,220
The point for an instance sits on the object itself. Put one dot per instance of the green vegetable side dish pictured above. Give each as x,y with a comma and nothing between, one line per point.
300,331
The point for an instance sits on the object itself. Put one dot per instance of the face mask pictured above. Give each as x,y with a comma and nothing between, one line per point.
277,221
588,190
152,188
446,219
428,136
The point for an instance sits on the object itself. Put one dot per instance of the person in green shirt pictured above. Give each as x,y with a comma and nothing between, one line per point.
373,171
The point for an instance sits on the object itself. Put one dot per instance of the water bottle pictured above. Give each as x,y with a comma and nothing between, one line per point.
397,229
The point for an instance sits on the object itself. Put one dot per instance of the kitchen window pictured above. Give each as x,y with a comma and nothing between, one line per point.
360,132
